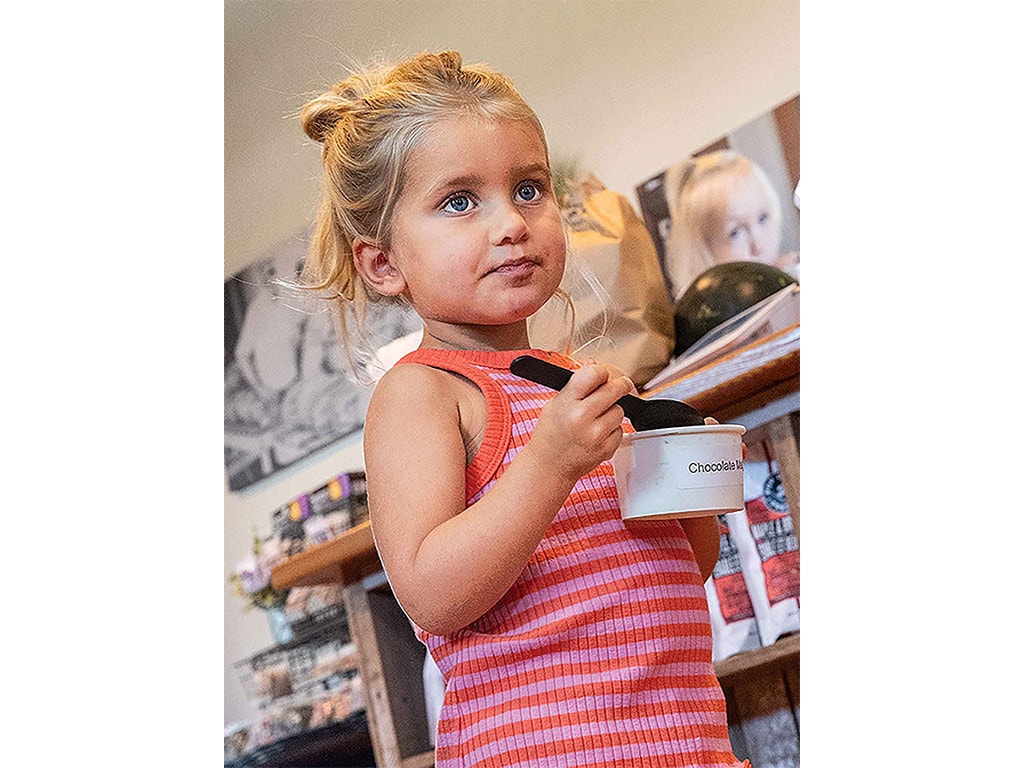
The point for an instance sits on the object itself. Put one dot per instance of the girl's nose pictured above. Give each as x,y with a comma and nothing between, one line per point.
507,225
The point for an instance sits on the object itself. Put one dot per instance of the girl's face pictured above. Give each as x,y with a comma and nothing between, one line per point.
746,230
476,232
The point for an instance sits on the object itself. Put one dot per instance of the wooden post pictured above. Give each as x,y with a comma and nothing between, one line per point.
785,451
378,709
391,665
401,659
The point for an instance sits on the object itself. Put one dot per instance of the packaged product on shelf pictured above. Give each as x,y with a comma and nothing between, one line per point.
317,531
236,741
327,709
272,682
335,658
322,514
294,718
342,702
323,595
357,501
323,611
332,503
278,723
288,523
733,624
338,521
769,551
295,604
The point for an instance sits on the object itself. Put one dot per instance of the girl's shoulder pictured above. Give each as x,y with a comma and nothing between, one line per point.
414,402
409,386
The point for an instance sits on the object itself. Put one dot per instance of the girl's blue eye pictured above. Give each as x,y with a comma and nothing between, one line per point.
458,204
734,233
762,219
528,192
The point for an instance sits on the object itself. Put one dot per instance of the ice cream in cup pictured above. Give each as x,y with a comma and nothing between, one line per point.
680,472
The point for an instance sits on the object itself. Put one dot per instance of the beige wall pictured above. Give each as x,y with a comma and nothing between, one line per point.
627,87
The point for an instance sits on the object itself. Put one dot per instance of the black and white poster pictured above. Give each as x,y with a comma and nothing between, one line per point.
288,386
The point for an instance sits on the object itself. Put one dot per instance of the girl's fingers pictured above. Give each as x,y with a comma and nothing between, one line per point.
585,382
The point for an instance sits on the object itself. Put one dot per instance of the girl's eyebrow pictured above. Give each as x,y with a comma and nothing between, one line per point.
532,168
466,180
472,179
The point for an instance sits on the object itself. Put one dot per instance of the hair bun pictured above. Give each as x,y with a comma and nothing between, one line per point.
320,115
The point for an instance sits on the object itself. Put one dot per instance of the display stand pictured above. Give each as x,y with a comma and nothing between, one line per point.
758,386
390,657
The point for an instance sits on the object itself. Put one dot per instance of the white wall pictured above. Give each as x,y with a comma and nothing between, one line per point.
627,87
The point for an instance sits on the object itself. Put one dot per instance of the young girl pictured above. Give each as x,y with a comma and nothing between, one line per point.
723,208
566,637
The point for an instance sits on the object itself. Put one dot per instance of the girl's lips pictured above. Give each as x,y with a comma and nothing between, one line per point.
516,267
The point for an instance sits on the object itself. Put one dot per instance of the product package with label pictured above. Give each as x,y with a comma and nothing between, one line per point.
733,624
769,552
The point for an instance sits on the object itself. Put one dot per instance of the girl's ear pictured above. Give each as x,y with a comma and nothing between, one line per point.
374,266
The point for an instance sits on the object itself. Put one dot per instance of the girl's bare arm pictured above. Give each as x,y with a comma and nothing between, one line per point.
449,564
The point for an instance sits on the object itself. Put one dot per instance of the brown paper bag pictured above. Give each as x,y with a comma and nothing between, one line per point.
632,326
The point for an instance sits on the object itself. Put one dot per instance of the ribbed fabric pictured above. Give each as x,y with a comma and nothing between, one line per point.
600,653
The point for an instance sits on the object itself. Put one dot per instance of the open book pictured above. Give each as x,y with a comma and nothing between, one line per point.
778,311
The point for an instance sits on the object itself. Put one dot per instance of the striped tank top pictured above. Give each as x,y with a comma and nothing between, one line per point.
600,653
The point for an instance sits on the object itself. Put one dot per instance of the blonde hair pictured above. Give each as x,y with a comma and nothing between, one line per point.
697,191
368,123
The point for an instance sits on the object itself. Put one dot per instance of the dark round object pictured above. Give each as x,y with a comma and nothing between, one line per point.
721,292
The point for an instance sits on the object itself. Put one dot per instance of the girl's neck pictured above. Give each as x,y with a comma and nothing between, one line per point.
480,338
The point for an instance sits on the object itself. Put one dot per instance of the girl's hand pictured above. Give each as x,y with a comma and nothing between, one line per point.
581,426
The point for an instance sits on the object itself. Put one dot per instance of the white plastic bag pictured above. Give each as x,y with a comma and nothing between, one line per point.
733,624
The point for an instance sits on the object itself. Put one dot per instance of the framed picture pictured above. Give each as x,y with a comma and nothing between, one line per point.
289,389
771,142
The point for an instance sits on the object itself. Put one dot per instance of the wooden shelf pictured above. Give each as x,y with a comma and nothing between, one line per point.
751,376
345,559
758,659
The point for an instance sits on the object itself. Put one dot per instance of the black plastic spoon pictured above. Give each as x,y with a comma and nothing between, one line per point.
642,414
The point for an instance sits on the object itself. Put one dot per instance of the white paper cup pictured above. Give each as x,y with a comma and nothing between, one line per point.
680,472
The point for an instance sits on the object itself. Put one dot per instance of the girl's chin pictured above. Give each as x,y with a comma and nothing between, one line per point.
516,307
524,312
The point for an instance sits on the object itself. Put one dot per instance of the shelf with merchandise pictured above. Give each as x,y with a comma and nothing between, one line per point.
320,650
302,688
